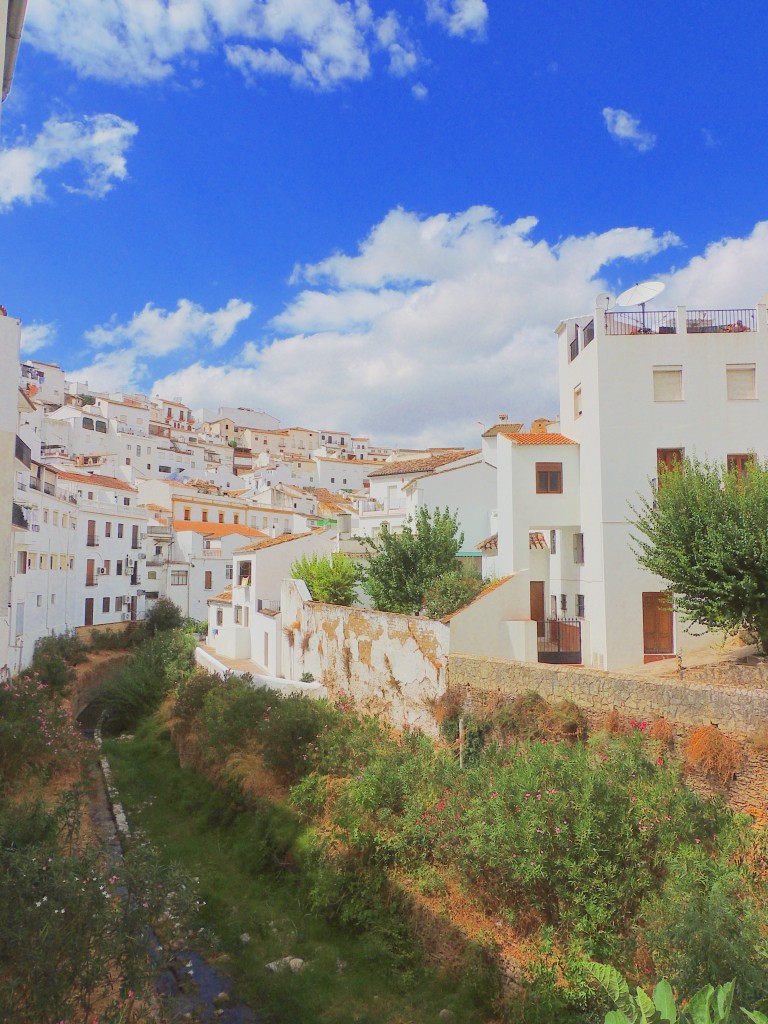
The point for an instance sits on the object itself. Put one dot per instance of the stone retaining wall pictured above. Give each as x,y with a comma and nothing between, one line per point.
735,709
738,710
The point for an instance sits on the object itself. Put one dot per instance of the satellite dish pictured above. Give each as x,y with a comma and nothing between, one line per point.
604,301
641,293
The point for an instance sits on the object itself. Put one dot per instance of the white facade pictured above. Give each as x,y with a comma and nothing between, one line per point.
109,559
10,335
634,394
250,627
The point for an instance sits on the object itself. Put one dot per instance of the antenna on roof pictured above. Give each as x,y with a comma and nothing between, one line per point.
639,294
604,300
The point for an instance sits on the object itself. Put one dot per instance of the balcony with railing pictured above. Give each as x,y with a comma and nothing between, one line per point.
681,321
652,321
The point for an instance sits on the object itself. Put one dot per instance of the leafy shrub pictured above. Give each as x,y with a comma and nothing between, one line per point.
163,615
714,752
449,592
329,578
708,1005
110,640
67,646
191,694
54,657
137,686
703,927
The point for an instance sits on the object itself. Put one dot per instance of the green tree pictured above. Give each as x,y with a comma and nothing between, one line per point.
403,565
705,531
330,579
450,591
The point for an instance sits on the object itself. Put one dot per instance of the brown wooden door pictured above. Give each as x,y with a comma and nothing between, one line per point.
537,605
89,611
658,635
668,459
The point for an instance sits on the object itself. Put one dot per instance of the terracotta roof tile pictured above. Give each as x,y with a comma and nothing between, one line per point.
536,539
539,438
489,544
98,480
425,465
216,529
271,542
223,598
503,428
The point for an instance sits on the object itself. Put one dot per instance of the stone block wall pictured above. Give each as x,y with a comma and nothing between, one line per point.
740,709
734,708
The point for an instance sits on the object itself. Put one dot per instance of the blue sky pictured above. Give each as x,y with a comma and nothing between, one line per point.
371,216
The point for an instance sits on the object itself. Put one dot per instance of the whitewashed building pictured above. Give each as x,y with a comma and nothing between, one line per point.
636,393
245,624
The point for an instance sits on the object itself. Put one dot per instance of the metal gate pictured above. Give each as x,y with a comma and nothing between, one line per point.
560,642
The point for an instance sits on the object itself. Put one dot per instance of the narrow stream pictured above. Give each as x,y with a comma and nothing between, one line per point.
189,987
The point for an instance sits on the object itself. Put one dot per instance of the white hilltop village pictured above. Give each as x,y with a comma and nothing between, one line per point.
114,501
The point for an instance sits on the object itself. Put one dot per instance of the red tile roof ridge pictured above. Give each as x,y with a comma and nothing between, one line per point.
422,465
539,438
282,539
98,480
216,529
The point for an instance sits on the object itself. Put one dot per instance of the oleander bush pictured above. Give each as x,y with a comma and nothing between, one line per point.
37,734
71,938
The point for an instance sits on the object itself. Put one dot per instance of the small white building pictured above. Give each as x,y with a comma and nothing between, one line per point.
247,624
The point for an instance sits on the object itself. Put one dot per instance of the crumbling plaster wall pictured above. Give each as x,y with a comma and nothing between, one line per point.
390,664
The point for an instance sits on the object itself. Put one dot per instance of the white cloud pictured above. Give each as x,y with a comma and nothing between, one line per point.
626,128
98,144
730,274
157,332
419,91
459,17
153,334
315,43
35,336
434,324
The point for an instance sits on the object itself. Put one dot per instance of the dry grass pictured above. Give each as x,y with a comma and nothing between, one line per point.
714,753
615,724
662,731
247,769
449,705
